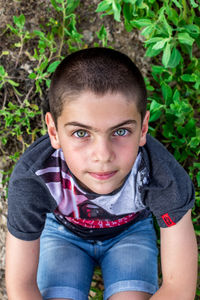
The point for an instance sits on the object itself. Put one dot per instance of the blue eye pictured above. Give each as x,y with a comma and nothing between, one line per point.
121,132
81,133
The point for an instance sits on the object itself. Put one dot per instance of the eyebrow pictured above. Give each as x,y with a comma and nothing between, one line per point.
77,124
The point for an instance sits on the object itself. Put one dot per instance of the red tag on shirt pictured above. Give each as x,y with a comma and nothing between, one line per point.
168,221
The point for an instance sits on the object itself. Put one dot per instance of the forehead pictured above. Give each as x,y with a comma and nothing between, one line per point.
89,100
99,111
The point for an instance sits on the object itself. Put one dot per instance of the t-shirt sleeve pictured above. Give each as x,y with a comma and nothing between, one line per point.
28,203
170,194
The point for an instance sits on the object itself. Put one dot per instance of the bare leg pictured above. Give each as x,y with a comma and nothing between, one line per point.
130,295
60,299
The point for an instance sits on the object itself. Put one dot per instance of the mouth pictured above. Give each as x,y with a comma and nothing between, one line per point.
103,175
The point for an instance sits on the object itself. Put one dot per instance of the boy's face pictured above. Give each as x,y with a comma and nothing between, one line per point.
100,137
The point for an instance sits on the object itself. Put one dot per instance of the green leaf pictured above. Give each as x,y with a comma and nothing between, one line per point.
71,6
184,38
5,53
158,69
190,128
166,55
17,92
51,68
167,27
127,11
127,25
192,29
2,71
198,183
155,116
103,6
177,3
19,21
128,15
13,83
48,82
32,76
192,2
176,96
188,77
148,30
197,84
34,106
174,58
194,142
152,52
160,44
141,22
153,40
12,106
172,15
117,10
166,92
39,33
4,140
102,35
18,45
55,5
168,131
155,110
15,31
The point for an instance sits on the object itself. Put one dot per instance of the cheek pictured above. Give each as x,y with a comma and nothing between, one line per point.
74,163
128,146
74,155
129,158
127,154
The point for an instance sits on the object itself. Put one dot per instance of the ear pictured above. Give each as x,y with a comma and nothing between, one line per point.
53,134
145,126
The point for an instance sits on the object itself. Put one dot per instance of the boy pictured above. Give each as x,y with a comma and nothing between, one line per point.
83,195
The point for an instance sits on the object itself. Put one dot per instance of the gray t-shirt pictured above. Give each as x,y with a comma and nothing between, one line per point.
42,183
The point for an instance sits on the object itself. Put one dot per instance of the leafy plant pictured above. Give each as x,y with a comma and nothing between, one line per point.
170,31
16,121
5,78
102,36
51,39
110,7
66,30
19,30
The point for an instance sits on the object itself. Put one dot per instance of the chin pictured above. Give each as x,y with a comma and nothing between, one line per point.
103,190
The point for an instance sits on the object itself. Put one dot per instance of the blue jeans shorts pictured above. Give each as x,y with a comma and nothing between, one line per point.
66,265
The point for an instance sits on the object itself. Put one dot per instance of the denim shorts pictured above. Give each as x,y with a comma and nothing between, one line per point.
66,265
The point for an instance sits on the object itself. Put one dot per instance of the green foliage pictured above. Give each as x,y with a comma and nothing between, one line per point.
50,39
16,122
19,30
102,36
66,29
111,7
4,78
171,31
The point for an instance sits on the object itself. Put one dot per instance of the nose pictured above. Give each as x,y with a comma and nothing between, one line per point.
103,151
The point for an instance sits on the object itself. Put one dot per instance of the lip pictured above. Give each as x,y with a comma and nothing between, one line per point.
103,175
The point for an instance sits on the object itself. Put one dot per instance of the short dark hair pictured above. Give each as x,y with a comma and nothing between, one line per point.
99,70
